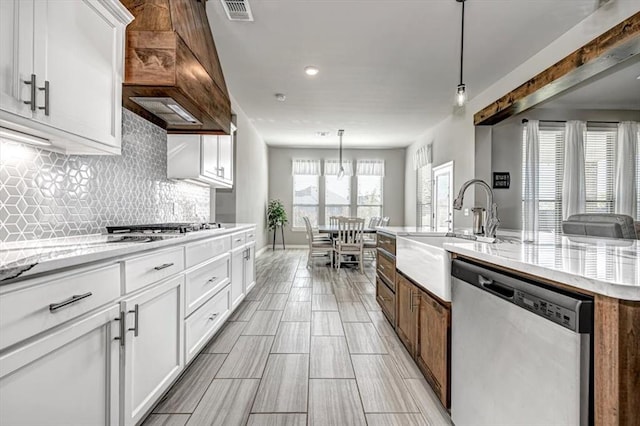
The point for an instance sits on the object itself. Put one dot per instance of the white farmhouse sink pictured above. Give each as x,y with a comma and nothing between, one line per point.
423,259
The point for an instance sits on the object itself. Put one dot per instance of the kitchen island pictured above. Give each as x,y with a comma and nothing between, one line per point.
606,270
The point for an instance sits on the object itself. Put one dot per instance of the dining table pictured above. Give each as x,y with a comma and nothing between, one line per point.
332,230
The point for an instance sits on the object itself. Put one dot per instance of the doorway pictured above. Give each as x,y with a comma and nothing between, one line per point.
443,197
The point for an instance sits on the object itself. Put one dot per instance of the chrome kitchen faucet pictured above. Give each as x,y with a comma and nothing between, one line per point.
492,222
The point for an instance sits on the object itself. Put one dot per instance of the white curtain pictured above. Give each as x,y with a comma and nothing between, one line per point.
423,156
370,168
306,167
625,181
332,167
531,190
574,192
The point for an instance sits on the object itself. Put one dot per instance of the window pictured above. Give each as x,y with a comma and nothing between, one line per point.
306,200
369,197
599,152
337,196
423,196
550,174
370,176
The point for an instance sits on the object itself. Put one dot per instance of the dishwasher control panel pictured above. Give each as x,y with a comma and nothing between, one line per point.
553,312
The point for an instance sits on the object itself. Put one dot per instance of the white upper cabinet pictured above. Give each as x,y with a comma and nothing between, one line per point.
61,66
207,159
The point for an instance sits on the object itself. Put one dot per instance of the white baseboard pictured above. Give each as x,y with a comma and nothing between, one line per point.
289,246
261,251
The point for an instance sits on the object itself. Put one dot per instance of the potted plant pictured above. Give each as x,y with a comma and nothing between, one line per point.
276,217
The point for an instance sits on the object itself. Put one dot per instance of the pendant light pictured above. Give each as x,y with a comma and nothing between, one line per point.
341,172
461,92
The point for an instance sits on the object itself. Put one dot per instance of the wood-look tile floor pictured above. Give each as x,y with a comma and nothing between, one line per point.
305,347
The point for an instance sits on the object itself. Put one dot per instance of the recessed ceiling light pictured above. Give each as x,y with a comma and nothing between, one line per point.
322,134
311,70
280,97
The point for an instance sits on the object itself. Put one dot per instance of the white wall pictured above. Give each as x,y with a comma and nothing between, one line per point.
281,181
248,201
454,138
506,153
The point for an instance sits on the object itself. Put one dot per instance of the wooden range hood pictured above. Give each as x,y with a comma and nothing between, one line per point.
172,68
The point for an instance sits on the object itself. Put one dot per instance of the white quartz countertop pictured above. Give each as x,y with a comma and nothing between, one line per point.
27,258
602,266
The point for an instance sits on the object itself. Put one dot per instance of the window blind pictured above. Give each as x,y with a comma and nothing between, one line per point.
599,168
550,175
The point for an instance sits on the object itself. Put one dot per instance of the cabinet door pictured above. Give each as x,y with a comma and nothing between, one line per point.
433,345
69,377
406,313
16,55
209,156
78,49
250,268
237,276
225,157
154,354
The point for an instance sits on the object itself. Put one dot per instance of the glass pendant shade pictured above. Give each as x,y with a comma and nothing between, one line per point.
461,95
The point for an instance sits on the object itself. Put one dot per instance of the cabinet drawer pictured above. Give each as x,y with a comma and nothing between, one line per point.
387,300
204,322
386,267
238,239
250,236
32,309
144,270
202,251
206,280
387,243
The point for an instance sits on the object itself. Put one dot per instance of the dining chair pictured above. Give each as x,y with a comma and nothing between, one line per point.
324,247
316,236
385,221
371,239
333,220
349,241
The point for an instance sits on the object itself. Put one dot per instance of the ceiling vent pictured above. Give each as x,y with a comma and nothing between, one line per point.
237,10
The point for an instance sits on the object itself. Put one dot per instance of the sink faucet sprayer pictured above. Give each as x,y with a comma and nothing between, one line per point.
492,222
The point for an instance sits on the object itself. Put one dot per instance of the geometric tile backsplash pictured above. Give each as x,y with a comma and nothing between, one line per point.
45,194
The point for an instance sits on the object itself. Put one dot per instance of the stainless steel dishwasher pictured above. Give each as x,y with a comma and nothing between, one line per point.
521,351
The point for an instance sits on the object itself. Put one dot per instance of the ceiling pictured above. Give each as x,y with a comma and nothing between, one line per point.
388,68
619,88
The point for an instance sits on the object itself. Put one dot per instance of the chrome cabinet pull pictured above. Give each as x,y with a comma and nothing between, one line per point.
164,266
32,95
212,317
135,311
46,98
73,299
237,240
121,320
381,267
212,279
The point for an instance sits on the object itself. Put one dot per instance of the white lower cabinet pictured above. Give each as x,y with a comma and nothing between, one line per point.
237,276
250,267
70,377
103,358
153,350
203,323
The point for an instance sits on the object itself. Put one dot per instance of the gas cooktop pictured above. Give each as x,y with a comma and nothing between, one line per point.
163,228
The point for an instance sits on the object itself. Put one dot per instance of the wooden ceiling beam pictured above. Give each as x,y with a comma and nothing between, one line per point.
605,51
